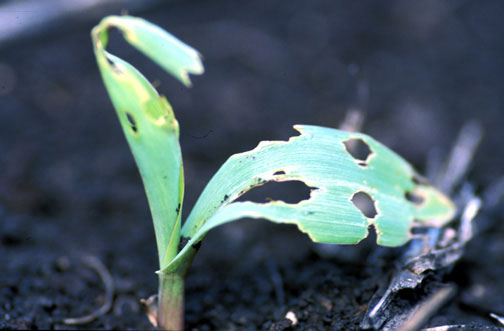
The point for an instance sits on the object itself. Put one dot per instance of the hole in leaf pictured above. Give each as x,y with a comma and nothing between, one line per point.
290,192
415,198
372,232
278,173
132,122
113,65
359,150
365,204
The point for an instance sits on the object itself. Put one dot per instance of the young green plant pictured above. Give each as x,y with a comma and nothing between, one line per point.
319,157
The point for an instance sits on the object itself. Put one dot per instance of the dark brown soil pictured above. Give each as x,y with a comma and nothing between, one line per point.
69,187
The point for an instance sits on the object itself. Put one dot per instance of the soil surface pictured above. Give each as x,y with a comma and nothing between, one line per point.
69,187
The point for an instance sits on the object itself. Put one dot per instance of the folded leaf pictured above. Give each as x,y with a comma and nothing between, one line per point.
147,119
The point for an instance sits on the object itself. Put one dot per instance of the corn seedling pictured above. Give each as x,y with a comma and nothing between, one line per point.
319,157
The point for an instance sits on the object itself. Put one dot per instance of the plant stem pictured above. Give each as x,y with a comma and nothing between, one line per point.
170,312
171,302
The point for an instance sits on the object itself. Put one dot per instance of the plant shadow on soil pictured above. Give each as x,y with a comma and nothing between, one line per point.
69,186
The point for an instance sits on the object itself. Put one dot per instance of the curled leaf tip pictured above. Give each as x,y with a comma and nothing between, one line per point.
166,50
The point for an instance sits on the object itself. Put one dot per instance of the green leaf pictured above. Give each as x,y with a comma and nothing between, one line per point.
319,158
161,47
147,119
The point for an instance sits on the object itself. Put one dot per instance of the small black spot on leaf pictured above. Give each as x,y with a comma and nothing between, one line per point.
132,122
365,204
261,181
278,173
226,196
114,66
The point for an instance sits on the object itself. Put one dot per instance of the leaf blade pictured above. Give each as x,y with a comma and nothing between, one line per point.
319,158
170,53
151,130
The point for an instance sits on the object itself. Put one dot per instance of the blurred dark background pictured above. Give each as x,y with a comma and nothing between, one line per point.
417,70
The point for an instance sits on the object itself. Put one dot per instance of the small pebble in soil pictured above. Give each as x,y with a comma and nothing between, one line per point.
291,317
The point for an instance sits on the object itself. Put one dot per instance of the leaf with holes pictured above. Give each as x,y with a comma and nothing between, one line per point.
340,168
147,119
